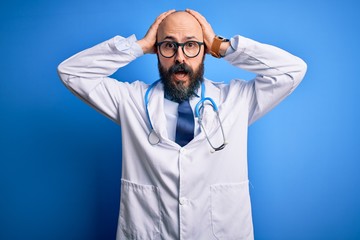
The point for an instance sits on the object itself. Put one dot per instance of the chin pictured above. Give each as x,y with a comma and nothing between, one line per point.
183,82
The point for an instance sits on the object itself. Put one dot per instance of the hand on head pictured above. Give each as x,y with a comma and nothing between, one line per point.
208,32
148,42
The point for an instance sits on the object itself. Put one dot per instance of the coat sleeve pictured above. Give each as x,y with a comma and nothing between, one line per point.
86,74
278,73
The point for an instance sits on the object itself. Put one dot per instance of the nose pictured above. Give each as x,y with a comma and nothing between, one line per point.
179,55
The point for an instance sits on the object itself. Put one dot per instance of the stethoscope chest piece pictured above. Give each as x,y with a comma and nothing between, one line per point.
153,138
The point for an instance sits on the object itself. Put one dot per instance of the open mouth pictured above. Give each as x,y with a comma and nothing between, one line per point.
180,74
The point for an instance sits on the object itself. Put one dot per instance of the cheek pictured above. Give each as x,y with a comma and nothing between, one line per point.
196,63
166,63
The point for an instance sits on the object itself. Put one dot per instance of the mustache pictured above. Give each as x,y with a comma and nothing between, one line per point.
180,67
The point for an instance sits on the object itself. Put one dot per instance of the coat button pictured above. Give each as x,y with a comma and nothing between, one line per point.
182,150
182,201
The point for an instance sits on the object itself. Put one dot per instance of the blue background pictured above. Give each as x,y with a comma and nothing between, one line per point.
60,161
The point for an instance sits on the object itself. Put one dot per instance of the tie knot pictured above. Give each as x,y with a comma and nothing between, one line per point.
184,107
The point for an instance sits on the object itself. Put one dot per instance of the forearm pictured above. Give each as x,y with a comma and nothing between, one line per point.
101,60
265,60
87,73
278,73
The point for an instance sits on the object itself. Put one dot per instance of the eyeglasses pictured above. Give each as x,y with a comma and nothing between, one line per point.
169,48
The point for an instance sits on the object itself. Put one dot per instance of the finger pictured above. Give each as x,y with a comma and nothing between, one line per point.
158,20
163,16
205,25
198,16
153,28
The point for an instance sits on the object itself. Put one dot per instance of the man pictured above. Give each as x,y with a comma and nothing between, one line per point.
179,183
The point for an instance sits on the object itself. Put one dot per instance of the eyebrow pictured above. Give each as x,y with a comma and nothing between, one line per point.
173,38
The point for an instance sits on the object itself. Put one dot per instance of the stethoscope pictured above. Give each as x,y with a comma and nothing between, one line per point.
199,108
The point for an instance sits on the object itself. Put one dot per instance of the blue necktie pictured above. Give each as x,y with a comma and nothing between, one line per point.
185,124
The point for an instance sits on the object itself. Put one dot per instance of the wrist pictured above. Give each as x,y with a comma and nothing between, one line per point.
223,48
145,46
219,46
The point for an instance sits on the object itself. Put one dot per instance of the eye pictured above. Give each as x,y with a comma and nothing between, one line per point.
190,44
169,45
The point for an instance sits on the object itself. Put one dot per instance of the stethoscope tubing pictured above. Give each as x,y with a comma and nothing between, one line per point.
146,101
153,136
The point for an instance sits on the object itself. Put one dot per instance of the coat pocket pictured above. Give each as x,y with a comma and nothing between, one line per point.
231,211
139,211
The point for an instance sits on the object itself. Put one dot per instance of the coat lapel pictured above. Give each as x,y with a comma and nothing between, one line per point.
157,112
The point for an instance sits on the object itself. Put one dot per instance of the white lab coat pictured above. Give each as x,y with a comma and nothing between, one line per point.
173,192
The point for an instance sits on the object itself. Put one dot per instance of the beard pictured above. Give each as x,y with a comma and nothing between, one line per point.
175,90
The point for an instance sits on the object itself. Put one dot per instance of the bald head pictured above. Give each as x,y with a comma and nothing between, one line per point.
181,27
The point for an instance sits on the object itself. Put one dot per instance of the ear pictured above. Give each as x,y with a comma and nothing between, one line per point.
206,49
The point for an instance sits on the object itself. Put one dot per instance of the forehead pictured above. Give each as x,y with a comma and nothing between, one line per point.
180,26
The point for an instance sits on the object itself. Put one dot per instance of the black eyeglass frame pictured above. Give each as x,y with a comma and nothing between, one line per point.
182,45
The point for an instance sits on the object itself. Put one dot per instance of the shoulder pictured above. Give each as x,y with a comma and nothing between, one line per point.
135,86
231,85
